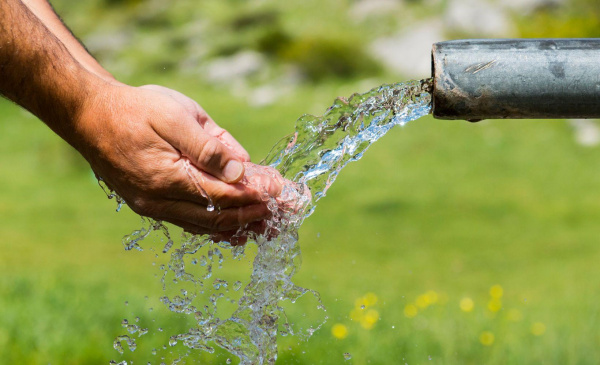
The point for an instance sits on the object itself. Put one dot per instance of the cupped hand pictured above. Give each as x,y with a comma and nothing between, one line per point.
288,207
163,154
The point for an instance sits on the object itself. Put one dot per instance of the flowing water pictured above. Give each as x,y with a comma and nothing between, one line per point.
310,159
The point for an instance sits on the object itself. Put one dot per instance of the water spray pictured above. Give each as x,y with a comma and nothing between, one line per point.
516,79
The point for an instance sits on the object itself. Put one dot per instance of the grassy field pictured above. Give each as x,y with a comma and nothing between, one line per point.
435,215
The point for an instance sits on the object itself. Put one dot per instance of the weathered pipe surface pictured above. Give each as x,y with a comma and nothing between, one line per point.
516,78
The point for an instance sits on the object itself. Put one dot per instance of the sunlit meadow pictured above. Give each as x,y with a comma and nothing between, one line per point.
448,243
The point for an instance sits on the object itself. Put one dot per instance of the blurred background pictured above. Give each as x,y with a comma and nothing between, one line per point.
465,243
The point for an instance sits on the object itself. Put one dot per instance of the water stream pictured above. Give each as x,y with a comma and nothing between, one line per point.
311,160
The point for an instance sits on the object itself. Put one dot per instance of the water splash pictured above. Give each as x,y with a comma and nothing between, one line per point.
110,194
311,160
322,146
187,165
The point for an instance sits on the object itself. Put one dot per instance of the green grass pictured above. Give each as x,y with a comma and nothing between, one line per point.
446,206
441,206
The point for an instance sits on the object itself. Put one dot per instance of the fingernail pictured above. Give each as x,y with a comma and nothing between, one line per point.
233,171
275,188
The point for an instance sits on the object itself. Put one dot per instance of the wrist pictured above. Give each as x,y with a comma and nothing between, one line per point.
70,100
100,72
88,120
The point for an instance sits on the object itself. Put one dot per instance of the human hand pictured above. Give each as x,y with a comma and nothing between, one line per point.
209,125
139,140
287,208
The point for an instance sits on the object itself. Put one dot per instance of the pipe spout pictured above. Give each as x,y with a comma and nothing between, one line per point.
516,78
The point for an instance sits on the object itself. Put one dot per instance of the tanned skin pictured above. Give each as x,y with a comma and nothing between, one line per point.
138,139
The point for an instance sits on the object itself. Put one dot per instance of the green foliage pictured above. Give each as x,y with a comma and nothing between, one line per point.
160,37
122,2
259,30
273,41
321,58
573,19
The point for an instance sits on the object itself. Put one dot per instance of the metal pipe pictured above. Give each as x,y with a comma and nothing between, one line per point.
516,78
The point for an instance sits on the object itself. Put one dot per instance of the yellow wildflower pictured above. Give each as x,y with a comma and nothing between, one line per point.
361,303
494,305
486,338
432,297
466,304
422,301
538,328
339,331
357,314
496,292
514,315
410,310
370,299
370,318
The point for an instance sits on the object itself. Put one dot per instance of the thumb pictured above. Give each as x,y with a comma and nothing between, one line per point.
206,152
212,156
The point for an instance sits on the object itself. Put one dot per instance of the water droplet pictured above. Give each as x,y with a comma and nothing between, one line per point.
118,344
228,361
210,207
362,306
347,356
218,283
203,260
168,246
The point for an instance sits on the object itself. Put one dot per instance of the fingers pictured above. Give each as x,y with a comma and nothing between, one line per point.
197,186
237,237
221,134
189,104
196,218
234,237
226,138
195,110
264,178
192,185
205,151
231,236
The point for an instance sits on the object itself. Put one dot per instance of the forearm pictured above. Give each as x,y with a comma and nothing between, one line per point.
46,14
38,72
